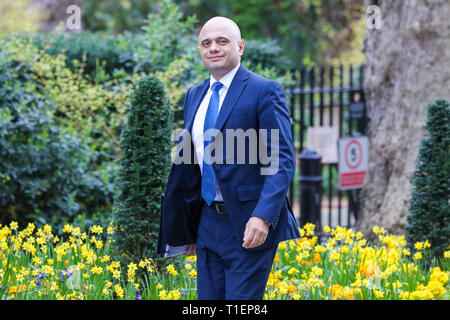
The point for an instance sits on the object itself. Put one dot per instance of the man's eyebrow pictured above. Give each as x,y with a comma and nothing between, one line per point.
220,38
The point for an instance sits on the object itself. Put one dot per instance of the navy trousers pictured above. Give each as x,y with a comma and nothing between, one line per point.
225,269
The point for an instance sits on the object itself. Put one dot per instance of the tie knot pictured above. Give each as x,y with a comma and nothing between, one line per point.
217,86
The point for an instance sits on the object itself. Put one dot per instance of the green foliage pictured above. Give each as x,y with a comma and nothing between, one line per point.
266,59
115,16
430,202
146,148
19,16
95,107
167,38
109,51
167,50
268,54
46,171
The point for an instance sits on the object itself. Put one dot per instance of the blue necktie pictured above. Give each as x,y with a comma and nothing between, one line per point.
208,177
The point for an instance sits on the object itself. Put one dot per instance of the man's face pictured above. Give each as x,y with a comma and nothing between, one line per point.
220,48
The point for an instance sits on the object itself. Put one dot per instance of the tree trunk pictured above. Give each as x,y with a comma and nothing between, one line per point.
408,66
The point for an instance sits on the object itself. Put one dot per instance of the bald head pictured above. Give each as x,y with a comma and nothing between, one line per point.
224,24
221,46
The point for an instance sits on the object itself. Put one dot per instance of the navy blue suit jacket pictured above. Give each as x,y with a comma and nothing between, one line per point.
252,102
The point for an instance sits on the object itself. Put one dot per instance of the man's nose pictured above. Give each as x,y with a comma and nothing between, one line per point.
214,46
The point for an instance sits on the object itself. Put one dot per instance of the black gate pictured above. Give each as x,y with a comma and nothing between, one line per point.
330,97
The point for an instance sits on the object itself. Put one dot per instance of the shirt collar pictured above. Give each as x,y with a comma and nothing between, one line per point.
226,79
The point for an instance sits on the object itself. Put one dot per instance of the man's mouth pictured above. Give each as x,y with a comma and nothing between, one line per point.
215,58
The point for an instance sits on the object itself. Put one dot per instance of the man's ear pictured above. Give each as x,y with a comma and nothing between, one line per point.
241,44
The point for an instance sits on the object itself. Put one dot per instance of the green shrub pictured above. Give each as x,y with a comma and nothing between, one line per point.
46,172
109,51
430,203
144,165
268,54
167,37
95,107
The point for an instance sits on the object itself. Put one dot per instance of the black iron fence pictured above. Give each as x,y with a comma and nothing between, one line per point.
327,102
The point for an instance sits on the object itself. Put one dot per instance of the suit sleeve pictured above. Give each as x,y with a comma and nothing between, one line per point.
273,115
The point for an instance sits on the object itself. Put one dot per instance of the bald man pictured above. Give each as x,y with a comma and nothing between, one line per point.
232,215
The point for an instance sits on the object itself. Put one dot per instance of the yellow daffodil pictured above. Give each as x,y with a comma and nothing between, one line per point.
119,291
170,268
293,271
418,255
13,225
96,229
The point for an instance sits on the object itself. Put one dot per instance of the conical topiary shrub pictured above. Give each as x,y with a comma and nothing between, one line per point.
429,207
144,164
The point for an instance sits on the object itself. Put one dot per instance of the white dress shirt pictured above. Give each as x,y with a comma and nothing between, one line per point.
199,121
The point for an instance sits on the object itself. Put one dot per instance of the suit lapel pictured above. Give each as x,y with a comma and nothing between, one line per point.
234,92
195,104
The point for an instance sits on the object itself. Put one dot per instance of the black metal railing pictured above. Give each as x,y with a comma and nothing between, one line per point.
327,97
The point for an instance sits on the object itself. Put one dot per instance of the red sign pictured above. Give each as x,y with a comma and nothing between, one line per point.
353,162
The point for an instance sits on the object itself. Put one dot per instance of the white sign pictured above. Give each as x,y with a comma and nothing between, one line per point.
323,140
353,162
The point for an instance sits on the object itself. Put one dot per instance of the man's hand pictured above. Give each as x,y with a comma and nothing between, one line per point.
191,250
255,232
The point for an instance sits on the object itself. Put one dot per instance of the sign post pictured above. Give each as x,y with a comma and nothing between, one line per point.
353,162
